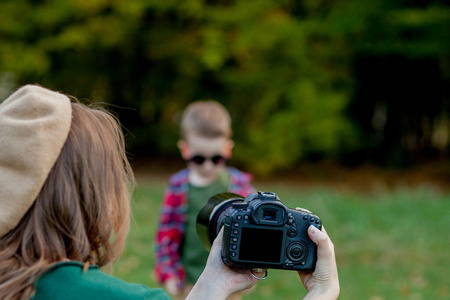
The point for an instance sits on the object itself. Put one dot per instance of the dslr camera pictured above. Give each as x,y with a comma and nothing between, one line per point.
259,231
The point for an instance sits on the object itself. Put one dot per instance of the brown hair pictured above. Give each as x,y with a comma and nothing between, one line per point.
207,119
82,205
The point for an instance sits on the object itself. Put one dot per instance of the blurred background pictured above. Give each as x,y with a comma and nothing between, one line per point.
318,90
351,81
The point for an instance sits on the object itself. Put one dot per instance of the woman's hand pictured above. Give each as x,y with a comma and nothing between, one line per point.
218,281
323,283
172,287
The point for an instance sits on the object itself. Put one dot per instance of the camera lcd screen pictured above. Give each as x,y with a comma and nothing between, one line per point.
261,245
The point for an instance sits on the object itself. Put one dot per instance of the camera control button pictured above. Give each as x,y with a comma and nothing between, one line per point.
236,224
292,232
235,232
233,254
234,240
234,247
305,217
291,220
239,217
289,264
312,219
246,217
297,252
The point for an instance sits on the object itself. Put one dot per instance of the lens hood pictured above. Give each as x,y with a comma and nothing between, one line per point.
207,219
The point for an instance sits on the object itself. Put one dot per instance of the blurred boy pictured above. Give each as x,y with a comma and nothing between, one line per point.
205,146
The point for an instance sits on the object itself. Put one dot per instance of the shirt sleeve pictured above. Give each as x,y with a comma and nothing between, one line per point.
240,182
169,237
156,294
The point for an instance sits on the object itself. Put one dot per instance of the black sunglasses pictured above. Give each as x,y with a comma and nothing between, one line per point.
200,159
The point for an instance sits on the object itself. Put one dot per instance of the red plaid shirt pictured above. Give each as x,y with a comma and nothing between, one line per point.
173,219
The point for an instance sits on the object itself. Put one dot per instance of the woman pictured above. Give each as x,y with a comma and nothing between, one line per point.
65,187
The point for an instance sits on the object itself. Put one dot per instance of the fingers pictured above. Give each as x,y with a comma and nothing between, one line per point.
302,209
215,259
325,248
325,278
216,274
217,244
316,235
219,237
171,286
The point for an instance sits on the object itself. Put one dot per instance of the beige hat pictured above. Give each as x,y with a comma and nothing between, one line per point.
34,124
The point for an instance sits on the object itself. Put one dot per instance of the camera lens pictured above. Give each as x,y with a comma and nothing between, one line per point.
297,251
212,216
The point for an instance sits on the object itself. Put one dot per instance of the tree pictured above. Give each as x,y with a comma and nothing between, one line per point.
291,73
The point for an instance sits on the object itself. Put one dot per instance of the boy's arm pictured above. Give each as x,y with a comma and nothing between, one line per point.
240,182
168,239
248,189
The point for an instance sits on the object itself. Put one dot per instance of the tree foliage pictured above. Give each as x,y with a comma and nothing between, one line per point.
286,70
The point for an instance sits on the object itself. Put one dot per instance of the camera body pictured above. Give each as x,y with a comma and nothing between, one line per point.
260,232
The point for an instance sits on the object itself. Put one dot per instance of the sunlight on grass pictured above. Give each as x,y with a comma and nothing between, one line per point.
389,245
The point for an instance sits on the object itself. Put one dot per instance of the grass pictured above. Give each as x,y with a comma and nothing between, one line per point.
389,245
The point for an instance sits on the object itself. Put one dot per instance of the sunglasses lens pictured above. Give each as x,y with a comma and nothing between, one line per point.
217,159
198,159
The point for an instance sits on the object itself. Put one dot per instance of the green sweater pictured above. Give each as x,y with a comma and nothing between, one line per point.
67,281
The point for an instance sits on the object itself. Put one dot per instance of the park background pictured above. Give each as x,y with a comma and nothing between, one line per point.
342,107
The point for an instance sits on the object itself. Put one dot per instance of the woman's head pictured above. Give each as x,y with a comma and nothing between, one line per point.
85,198
82,210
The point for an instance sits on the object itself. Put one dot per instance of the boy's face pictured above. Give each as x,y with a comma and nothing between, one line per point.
206,156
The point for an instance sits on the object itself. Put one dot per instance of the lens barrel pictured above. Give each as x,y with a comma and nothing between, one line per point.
209,219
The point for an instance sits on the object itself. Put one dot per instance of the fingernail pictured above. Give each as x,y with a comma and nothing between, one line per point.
312,229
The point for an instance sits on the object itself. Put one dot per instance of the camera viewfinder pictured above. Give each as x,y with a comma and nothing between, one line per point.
269,215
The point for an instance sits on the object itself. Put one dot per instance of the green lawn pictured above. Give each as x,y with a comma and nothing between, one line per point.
389,245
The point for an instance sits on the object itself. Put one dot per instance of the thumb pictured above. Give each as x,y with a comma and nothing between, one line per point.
325,248
218,240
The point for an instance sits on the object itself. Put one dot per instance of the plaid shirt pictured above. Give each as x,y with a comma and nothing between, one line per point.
173,219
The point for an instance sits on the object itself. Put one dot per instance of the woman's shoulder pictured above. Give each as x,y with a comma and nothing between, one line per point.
69,281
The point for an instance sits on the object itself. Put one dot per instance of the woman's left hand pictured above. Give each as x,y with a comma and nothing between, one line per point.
218,281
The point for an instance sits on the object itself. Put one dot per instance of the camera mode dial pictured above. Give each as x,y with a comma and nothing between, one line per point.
240,205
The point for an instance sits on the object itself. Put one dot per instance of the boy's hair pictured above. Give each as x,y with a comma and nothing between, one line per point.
81,213
206,119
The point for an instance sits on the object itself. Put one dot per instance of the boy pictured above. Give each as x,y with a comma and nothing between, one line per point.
205,146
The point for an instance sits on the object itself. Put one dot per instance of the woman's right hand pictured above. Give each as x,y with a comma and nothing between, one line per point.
323,283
